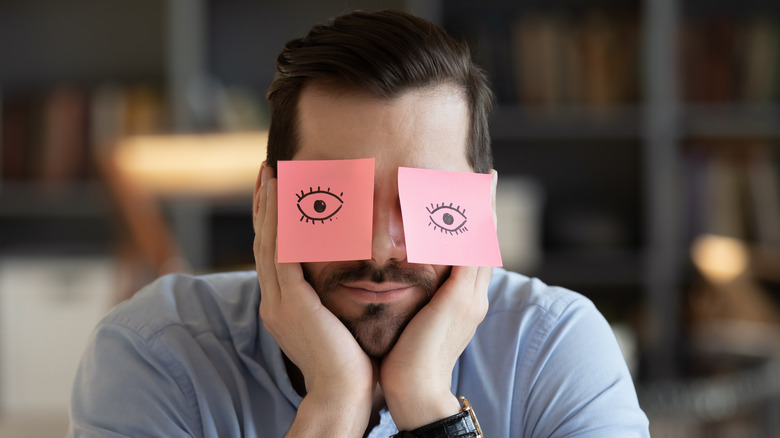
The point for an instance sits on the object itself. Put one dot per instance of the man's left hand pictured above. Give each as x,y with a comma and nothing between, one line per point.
416,376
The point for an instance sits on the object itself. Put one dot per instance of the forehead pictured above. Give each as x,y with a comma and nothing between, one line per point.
425,128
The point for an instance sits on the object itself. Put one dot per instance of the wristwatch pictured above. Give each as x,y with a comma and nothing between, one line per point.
464,424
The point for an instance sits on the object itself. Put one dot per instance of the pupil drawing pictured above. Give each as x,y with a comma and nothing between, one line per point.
319,205
448,219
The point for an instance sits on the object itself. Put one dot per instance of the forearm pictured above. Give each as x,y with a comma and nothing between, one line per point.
318,417
415,410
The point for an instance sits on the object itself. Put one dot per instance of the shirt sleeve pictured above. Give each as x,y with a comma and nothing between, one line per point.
581,384
128,386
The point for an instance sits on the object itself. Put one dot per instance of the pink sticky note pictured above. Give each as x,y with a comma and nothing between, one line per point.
325,210
448,217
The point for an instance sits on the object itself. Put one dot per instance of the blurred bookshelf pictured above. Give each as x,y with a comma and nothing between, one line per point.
640,125
656,121
570,115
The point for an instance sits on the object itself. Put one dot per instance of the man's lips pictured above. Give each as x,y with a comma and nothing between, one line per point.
372,292
371,286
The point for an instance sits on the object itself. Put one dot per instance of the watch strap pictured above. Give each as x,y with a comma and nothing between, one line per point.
459,425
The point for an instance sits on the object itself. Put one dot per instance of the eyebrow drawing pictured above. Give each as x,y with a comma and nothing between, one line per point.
319,205
447,219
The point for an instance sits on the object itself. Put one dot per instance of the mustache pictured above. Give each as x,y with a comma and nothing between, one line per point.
393,271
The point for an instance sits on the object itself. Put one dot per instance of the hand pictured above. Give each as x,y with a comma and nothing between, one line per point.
416,376
339,376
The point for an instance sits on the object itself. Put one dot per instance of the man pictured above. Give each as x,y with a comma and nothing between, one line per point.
368,347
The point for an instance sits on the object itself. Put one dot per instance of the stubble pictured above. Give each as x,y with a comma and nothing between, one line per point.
379,326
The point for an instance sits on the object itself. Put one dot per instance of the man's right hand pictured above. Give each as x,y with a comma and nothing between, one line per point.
339,376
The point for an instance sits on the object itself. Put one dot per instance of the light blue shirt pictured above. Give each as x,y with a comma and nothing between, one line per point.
188,356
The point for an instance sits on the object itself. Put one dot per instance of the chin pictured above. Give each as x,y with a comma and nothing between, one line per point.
378,329
376,326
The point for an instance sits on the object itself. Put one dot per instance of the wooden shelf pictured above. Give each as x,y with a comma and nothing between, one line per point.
20,200
518,122
732,120
592,267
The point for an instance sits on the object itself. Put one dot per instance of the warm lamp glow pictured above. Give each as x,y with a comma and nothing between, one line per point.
720,259
197,164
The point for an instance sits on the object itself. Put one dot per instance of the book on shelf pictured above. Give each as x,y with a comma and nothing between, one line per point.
63,138
106,115
727,60
726,198
15,134
44,136
145,110
48,136
714,196
561,60
597,37
538,40
22,133
760,73
720,78
764,189
733,190
51,136
489,36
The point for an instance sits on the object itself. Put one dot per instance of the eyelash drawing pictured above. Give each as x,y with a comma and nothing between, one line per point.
319,205
453,218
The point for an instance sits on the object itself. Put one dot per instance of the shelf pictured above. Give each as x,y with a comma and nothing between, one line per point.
50,42
727,120
20,200
732,121
67,219
592,267
512,123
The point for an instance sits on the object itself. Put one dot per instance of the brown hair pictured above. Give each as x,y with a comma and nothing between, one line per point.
383,53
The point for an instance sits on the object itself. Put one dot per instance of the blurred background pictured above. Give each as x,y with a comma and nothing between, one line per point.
637,143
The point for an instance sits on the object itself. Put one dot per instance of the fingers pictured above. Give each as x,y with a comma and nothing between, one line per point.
471,284
259,200
463,296
267,173
265,205
284,280
270,221
484,275
258,185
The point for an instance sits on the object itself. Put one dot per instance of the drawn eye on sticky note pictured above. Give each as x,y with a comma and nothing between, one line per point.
319,205
325,210
448,217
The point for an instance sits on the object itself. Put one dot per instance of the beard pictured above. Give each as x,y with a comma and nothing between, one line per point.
379,326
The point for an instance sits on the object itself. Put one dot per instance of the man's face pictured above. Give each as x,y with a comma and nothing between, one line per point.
421,128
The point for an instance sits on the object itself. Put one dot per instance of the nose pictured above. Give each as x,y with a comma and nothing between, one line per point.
388,243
